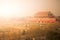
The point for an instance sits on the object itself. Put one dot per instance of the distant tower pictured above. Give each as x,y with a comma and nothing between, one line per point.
44,14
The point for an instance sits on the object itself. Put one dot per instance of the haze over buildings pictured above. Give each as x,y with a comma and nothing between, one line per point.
29,19
22,8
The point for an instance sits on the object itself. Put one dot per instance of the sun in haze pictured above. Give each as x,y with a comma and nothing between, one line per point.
11,11
8,9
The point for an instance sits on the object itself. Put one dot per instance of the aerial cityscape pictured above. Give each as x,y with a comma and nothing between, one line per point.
42,26
29,19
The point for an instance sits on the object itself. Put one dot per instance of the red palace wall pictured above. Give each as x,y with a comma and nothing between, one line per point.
42,20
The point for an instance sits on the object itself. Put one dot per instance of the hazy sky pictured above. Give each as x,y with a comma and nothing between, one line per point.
20,8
